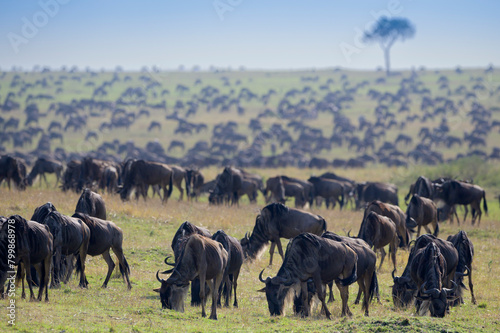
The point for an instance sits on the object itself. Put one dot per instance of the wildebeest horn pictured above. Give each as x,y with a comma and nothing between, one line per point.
466,272
158,277
451,291
288,280
168,263
434,292
168,271
261,279
246,235
349,233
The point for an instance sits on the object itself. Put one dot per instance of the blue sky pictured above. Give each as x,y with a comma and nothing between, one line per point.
256,34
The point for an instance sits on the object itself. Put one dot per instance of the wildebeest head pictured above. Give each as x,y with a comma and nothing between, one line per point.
403,291
276,289
172,294
43,211
438,299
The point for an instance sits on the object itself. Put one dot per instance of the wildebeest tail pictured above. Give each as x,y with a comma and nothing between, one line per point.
170,184
122,268
351,279
485,205
187,179
373,287
436,232
78,266
324,222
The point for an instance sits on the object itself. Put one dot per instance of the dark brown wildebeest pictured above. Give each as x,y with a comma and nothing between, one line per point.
423,187
71,237
71,176
194,182
250,189
366,273
229,184
110,178
453,193
92,204
105,235
329,189
396,215
308,188
367,192
91,170
276,190
185,230
11,169
234,262
43,166
465,250
422,211
34,246
428,270
378,231
404,288
200,257
309,256
142,174
296,191
349,187
179,176
277,221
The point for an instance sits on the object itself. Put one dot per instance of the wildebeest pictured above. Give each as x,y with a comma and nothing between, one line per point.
276,190
200,257
71,237
178,177
367,192
110,179
309,256
234,262
92,204
429,272
366,274
465,250
91,170
105,235
185,230
71,176
404,288
378,231
422,187
43,166
422,211
396,215
329,189
11,169
296,191
453,193
229,184
141,174
308,187
277,221
34,246
194,182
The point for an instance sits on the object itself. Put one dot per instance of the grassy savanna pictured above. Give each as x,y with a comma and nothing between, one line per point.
148,229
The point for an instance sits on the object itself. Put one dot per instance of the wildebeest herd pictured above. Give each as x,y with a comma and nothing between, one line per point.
50,246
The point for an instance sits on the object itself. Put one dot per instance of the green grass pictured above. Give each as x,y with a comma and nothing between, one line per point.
148,230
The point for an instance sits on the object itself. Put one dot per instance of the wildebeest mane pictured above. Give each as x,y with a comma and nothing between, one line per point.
87,219
274,210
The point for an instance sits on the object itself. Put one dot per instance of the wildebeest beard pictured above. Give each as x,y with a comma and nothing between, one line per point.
257,241
173,297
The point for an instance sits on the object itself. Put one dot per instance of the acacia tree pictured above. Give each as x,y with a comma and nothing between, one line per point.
386,32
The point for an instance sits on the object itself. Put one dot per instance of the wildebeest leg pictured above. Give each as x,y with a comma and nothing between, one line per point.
331,298
344,294
360,291
271,252
280,249
382,257
56,275
45,178
122,262
465,214
215,287
427,229
203,295
45,273
367,281
393,247
305,295
321,293
20,275
418,230
235,285
471,287
111,267
27,269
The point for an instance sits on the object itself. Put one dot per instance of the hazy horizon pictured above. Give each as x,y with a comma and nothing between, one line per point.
256,35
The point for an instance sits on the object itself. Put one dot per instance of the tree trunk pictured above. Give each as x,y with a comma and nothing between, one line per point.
387,61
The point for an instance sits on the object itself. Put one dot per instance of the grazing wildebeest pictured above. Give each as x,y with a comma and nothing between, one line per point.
349,187
234,262
142,174
396,215
366,273
428,271
367,192
71,176
178,177
200,257
92,204
185,230
465,250
309,256
34,246
43,166
378,231
71,237
329,189
11,168
105,235
229,184
453,193
423,187
277,221
308,187
194,182
296,191
110,178
91,170
422,211
276,190
404,288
